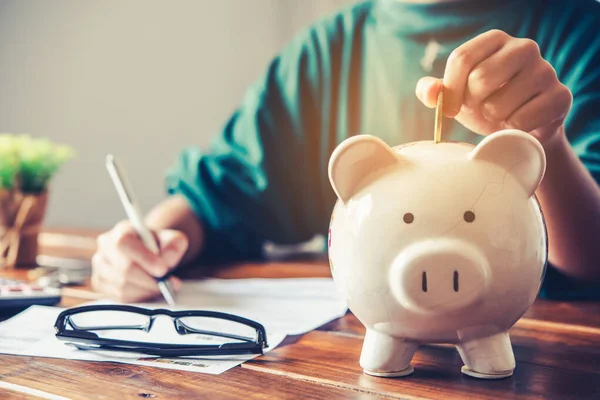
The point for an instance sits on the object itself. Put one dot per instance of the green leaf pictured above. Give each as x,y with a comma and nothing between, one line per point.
30,163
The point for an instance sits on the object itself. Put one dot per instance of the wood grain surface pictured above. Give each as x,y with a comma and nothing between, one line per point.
556,344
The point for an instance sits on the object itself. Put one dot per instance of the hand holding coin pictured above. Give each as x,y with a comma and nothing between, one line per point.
495,82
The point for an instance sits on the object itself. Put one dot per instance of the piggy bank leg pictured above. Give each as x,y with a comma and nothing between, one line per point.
488,358
386,356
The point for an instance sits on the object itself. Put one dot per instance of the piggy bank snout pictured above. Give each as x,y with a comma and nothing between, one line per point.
439,276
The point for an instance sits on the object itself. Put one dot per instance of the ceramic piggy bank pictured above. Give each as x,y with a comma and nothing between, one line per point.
438,243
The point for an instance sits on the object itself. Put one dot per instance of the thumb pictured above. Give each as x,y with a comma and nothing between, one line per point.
173,245
427,90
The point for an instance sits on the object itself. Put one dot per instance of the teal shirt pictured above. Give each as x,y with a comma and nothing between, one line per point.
265,176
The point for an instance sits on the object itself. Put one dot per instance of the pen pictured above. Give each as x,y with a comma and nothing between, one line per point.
135,217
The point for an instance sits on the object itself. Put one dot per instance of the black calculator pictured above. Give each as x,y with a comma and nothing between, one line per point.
15,294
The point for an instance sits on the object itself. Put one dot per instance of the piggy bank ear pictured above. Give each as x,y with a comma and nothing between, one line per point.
354,160
518,153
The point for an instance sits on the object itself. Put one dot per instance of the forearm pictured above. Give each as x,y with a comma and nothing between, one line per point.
570,200
175,213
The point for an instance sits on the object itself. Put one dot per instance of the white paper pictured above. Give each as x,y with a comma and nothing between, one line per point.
41,342
283,306
290,306
27,328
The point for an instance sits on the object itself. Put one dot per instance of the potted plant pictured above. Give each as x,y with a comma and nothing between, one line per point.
26,167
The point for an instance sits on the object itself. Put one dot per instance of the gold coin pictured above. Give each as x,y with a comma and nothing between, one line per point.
439,113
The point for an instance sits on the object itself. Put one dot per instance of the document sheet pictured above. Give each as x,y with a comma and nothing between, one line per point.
284,306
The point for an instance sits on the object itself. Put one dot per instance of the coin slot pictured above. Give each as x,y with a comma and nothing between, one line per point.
456,281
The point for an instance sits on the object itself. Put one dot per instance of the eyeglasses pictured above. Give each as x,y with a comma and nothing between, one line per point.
127,328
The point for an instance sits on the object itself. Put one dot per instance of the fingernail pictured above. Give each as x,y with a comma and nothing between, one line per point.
171,257
160,268
487,111
419,90
180,246
450,112
175,283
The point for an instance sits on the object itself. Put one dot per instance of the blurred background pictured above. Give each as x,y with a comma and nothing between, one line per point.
138,78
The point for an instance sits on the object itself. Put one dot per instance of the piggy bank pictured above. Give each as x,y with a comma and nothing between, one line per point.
438,243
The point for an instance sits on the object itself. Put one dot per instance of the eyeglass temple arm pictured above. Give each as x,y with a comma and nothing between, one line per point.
182,328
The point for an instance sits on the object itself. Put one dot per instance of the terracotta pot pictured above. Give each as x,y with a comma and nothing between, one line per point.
27,234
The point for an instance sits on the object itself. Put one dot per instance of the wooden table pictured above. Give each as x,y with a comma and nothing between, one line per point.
557,347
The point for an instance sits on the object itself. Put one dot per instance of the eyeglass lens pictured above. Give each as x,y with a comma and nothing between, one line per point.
124,325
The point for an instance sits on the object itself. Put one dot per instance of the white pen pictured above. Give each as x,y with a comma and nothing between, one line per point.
135,217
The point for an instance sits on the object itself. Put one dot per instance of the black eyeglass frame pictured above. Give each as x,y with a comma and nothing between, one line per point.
86,340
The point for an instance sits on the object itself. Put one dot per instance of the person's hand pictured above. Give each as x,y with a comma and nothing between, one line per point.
495,82
125,270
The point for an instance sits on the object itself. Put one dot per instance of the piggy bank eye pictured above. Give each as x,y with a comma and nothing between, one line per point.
408,218
469,216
